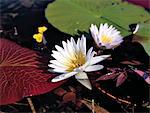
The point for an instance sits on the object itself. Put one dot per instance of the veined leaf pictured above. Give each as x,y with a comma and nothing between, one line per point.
72,15
21,74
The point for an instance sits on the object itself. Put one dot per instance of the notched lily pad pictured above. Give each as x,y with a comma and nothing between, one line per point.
72,15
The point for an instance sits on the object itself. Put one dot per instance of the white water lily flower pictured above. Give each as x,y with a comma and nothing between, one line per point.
106,36
72,59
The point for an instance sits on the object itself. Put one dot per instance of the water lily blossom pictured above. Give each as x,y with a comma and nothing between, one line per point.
107,36
72,59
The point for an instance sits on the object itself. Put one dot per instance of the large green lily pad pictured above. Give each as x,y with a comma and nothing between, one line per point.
71,16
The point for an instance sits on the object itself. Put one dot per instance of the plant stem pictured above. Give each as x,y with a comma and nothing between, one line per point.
119,100
31,105
93,111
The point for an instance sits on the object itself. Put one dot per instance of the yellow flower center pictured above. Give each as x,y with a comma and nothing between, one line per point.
76,61
105,39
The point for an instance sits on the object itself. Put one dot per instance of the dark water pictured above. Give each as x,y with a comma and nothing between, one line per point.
27,17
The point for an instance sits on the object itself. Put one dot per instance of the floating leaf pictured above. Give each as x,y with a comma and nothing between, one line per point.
21,73
145,41
76,16
121,78
71,16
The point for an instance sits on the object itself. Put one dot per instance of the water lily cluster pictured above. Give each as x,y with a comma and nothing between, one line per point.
73,59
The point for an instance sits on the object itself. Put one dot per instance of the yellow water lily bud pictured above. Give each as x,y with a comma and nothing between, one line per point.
42,29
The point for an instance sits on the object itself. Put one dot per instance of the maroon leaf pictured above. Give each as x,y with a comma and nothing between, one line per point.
145,75
136,62
132,62
69,97
121,78
108,76
60,91
139,72
21,73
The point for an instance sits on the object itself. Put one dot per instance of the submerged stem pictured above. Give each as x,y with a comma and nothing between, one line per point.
93,111
31,105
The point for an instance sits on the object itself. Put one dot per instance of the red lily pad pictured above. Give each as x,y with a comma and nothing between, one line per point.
22,73
142,3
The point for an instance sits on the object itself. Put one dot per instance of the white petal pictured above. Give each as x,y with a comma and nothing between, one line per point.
88,56
81,45
57,55
116,42
105,27
93,68
66,49
57,71
78,44
60,58
94,33
109,46
97,59
63,76
56,67
136,29
57,63
83,38
73,44
105,56
70,48
81,75
60,49
86,83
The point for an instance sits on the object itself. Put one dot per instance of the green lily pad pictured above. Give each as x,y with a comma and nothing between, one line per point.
71,16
